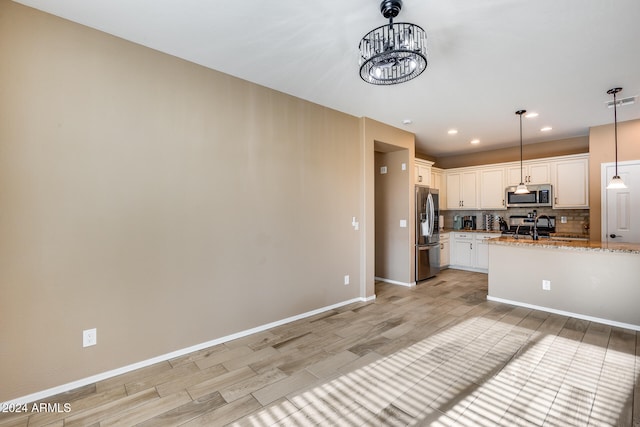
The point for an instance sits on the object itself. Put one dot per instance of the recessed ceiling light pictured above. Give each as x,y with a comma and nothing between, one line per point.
546,129
407,121
531,115
452,131
475,141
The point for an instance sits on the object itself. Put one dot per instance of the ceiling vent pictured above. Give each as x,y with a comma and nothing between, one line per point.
622,102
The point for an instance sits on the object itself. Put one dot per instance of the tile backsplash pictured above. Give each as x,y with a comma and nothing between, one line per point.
577,219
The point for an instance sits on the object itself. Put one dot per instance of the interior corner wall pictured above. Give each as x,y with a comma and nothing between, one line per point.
375,132
602,150
393,254
163,203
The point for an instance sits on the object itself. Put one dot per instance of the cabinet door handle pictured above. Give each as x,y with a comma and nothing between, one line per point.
441,245
502,202
419,178
471,246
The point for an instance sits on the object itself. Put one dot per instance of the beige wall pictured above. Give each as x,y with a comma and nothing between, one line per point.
602,285
540,150
161,202
602,150
393,250
377,136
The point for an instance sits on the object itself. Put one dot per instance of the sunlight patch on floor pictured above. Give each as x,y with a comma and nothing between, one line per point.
480,372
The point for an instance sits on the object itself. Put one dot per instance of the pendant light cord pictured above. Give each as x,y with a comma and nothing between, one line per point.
615,128
521,181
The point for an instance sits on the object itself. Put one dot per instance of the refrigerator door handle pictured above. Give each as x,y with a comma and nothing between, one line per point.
431,214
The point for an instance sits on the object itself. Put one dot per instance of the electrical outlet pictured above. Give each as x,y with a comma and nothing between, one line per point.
346,279
563,219
89,337
546,285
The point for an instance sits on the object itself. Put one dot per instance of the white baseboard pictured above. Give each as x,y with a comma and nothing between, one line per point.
118,371
567,313
465,268
394,282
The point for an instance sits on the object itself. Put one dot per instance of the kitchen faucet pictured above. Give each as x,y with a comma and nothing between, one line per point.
534,233
515,236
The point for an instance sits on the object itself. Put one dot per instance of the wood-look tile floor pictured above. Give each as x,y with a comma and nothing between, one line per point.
438,354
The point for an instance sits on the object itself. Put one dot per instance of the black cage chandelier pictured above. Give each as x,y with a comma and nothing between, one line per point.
393,53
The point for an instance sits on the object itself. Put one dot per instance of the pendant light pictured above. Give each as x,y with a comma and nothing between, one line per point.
616,182
521,188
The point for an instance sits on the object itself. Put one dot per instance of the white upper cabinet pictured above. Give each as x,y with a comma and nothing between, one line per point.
454,182
532,173
539,173
462,190
483,187
438,182
492,188
423,172
436,178
571,183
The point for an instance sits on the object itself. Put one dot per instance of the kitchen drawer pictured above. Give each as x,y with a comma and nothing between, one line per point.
465,236
484,237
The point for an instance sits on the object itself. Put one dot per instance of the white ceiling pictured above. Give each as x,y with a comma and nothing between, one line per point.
487,58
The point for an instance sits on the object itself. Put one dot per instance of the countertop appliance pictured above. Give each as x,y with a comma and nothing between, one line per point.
427,233
469,222
539,195
457,222
523,225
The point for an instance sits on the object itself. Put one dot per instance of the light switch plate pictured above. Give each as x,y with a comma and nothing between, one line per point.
89,337
403,223
383,170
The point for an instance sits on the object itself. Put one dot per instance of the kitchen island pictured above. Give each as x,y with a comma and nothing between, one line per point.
596,281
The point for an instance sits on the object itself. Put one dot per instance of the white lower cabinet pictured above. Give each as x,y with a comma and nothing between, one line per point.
482,250
445,252
461,249
470,251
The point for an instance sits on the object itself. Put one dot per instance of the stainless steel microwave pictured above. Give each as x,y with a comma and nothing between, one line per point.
539,195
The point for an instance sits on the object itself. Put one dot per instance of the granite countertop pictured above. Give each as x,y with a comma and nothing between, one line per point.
577,245
498,232
449,230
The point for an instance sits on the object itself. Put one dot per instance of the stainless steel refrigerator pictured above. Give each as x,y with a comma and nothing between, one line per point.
427,234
